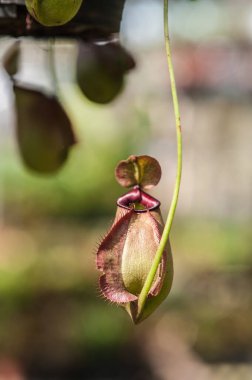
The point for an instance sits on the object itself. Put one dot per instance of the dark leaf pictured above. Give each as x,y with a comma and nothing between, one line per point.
101,70
44,130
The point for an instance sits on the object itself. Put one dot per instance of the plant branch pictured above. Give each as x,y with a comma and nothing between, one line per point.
165,236
52,65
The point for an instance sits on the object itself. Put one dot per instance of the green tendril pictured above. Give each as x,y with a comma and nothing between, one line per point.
165,236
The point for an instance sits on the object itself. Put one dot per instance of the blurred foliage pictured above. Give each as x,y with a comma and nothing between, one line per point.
86,186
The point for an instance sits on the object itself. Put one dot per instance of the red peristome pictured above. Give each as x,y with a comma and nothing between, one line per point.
137,195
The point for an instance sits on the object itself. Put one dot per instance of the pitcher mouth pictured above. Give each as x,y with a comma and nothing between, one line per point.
137,200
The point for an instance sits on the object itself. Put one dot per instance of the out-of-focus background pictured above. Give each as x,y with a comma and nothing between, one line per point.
53,322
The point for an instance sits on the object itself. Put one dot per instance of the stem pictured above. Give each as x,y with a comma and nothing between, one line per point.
165,236
51,56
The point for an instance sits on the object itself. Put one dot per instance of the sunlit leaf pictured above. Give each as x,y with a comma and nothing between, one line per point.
53,12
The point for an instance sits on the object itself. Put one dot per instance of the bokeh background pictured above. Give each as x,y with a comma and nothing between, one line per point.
53,322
